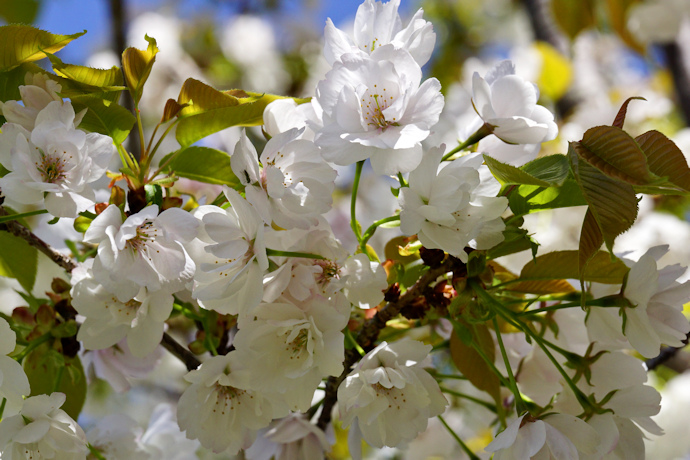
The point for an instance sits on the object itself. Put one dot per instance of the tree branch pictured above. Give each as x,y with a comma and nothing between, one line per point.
180,352
681,79
370,332
665,355
24,233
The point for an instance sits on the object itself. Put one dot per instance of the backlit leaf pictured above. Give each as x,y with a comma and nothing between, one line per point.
665,159
77,80
620,116
18,260
206,165
470,363
137,65
105,118
564,265
573,16
22,43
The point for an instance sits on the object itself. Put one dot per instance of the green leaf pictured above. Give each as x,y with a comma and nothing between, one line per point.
79,80
137,65
564,265
526,199
615,153
553,169
515,239
105,118
469,362
21,43
18,260
612,202
208,110
11,80
19,11
154,194
204,164
44,366
507,174
665,159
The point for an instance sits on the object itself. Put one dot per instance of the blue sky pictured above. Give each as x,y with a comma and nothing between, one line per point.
70,16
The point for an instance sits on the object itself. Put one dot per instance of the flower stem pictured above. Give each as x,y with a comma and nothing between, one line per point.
519,403
304,255
10,217
95,452
32,346
483,131
353,201
457,394
372,229
464,447
2,407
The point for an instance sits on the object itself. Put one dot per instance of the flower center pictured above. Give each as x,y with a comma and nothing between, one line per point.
373,104
146,234
329,270
52,168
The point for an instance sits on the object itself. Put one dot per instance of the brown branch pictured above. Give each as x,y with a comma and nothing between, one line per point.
180,352
24,233
370,331
681,77
665,355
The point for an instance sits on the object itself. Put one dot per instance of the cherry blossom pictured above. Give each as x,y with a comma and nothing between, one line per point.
13,381
290,438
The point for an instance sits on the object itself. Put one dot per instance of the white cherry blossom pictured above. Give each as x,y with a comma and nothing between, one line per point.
444,207
290,438
55,160
295,185
388,398
163,438
509,103
220,409
378,24
36,94
13,381
375,107
117,436
42,430
365,281
145,250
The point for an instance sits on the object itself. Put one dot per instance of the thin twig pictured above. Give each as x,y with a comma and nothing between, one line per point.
370,332
24,233
180,352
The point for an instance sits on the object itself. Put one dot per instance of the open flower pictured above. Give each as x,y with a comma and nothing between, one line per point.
374,107
378,24
55,160
389,397
509,104
13,381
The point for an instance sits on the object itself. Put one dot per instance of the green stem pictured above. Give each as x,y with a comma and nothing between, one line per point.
312,410
401,179
439,376
464,447
158,144
519,402
2,407
22,215
351,340
208,333
457,394
605,302
125,158
187,312
372,229
353,201
140,127
95,452
155,130
477,136
509,316
304,255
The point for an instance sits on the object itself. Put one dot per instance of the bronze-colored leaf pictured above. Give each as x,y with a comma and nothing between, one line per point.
470,363
665,158
620,116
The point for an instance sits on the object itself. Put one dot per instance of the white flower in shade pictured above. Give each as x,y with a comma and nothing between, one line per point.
557,436
117,364
143,251
117,436
231,257
657,21
509,103
374,107
282,115
388,398
55,160
378,24
295,185
289,349
656,317
140,319
13,381
42,430
163,438
220,409
290,438
365,281
36,94
444,207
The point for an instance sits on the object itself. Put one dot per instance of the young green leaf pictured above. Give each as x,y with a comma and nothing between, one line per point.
526,199
105,118
208,110
137,65
77,80
204,164
22,43
507,174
